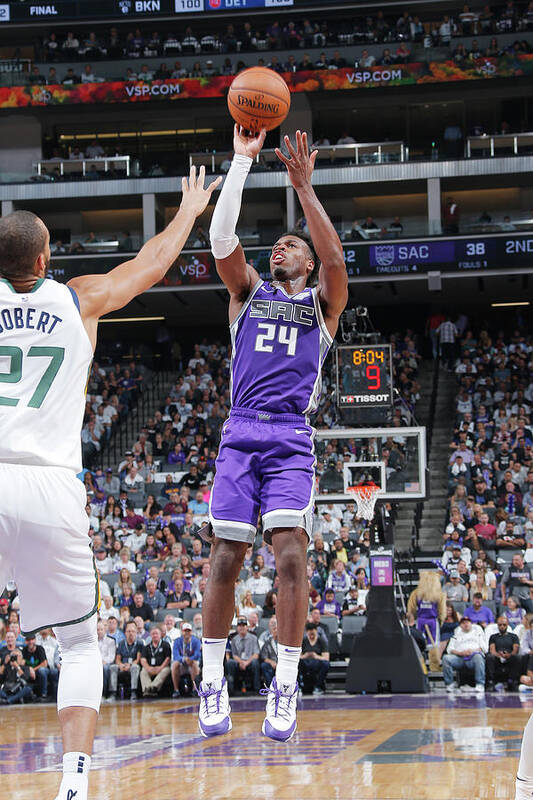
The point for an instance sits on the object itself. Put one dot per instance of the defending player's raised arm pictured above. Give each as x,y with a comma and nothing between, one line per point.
333,278
238,276
100,294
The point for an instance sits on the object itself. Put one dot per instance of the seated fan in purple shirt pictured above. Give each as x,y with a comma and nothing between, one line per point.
281,330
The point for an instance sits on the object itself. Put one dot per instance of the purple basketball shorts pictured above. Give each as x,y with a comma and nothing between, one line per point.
266,463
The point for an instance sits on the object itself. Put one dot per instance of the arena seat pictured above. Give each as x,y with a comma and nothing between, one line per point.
332,623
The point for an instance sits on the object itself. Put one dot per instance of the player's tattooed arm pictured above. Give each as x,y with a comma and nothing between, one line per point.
333,279
101,294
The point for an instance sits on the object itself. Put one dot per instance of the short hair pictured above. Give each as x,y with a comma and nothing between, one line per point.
310,626
312,278
22,240
478,594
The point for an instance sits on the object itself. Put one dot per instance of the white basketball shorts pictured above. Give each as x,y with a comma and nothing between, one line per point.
45,546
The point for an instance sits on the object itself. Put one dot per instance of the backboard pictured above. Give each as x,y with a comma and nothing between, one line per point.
394,458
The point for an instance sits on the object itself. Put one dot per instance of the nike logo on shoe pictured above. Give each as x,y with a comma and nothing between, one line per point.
71,795
296,430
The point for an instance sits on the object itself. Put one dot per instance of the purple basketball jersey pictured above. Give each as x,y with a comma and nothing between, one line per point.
279,345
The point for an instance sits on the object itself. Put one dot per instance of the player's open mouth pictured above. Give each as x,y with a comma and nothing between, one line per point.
277,258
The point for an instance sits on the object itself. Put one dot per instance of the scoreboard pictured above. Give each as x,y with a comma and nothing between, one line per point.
364,375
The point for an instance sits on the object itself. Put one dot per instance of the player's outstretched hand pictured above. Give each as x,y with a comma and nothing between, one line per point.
248,145
195,196
300,164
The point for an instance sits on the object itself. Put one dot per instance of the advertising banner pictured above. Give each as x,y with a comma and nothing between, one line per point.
308,81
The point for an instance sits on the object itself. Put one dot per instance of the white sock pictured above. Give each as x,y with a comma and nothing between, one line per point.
76,762
213,659
287,666
525,767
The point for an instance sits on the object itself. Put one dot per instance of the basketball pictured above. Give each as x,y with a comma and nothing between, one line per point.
259,98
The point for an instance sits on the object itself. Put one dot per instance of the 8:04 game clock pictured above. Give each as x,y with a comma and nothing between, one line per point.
364,375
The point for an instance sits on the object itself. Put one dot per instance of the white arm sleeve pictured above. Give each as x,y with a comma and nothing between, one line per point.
222,234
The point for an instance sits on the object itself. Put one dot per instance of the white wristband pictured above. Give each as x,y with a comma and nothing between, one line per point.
224,240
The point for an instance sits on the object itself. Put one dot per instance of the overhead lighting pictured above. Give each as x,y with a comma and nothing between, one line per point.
75,137
509,305
133,319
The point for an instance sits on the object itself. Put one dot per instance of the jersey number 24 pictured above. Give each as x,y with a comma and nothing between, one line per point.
285,335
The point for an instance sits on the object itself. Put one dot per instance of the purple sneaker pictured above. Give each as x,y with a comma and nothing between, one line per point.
280,721
214,713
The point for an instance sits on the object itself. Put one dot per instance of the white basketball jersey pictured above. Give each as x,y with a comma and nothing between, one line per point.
45,357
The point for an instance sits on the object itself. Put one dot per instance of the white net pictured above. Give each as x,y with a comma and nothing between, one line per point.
365,496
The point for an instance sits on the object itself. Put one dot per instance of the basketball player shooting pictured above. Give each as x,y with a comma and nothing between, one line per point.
281,331
47,339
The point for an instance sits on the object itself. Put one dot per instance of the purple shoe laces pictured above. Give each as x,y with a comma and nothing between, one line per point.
210,692
281,709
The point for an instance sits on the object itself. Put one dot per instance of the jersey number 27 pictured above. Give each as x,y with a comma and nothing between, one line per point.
15,355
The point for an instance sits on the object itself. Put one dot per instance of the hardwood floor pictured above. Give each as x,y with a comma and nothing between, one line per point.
401,747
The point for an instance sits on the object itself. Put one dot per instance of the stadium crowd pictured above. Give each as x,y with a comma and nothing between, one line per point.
144,519
477,608
299,33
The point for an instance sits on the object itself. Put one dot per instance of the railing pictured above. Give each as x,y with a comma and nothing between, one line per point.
508,141
126,431
415,533
70,165
359,153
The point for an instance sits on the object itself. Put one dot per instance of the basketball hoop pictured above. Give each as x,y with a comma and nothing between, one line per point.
365,495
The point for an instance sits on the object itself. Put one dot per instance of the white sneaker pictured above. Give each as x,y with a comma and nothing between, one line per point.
74,786
480,688
524,790
452,687
280,721
214,712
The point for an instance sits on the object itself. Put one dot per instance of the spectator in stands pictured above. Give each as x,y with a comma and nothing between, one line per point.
269,606
516,580
257,583
178,596
268,653
328,606
478,613
448,626
14,674
107,647
338,580
155,663
503,660
243,662
88,75
353,604
153,597
514,613
366,60
141,609
403,54
447,331
466,650
127,666
247,606
314,662
186,656
454,589
35,658
36,78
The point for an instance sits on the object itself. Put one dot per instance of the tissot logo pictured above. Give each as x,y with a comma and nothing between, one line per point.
4,13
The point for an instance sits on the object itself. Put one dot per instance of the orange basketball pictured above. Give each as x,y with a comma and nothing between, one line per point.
259,98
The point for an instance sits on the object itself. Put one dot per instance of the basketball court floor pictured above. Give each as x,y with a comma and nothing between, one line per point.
408,747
